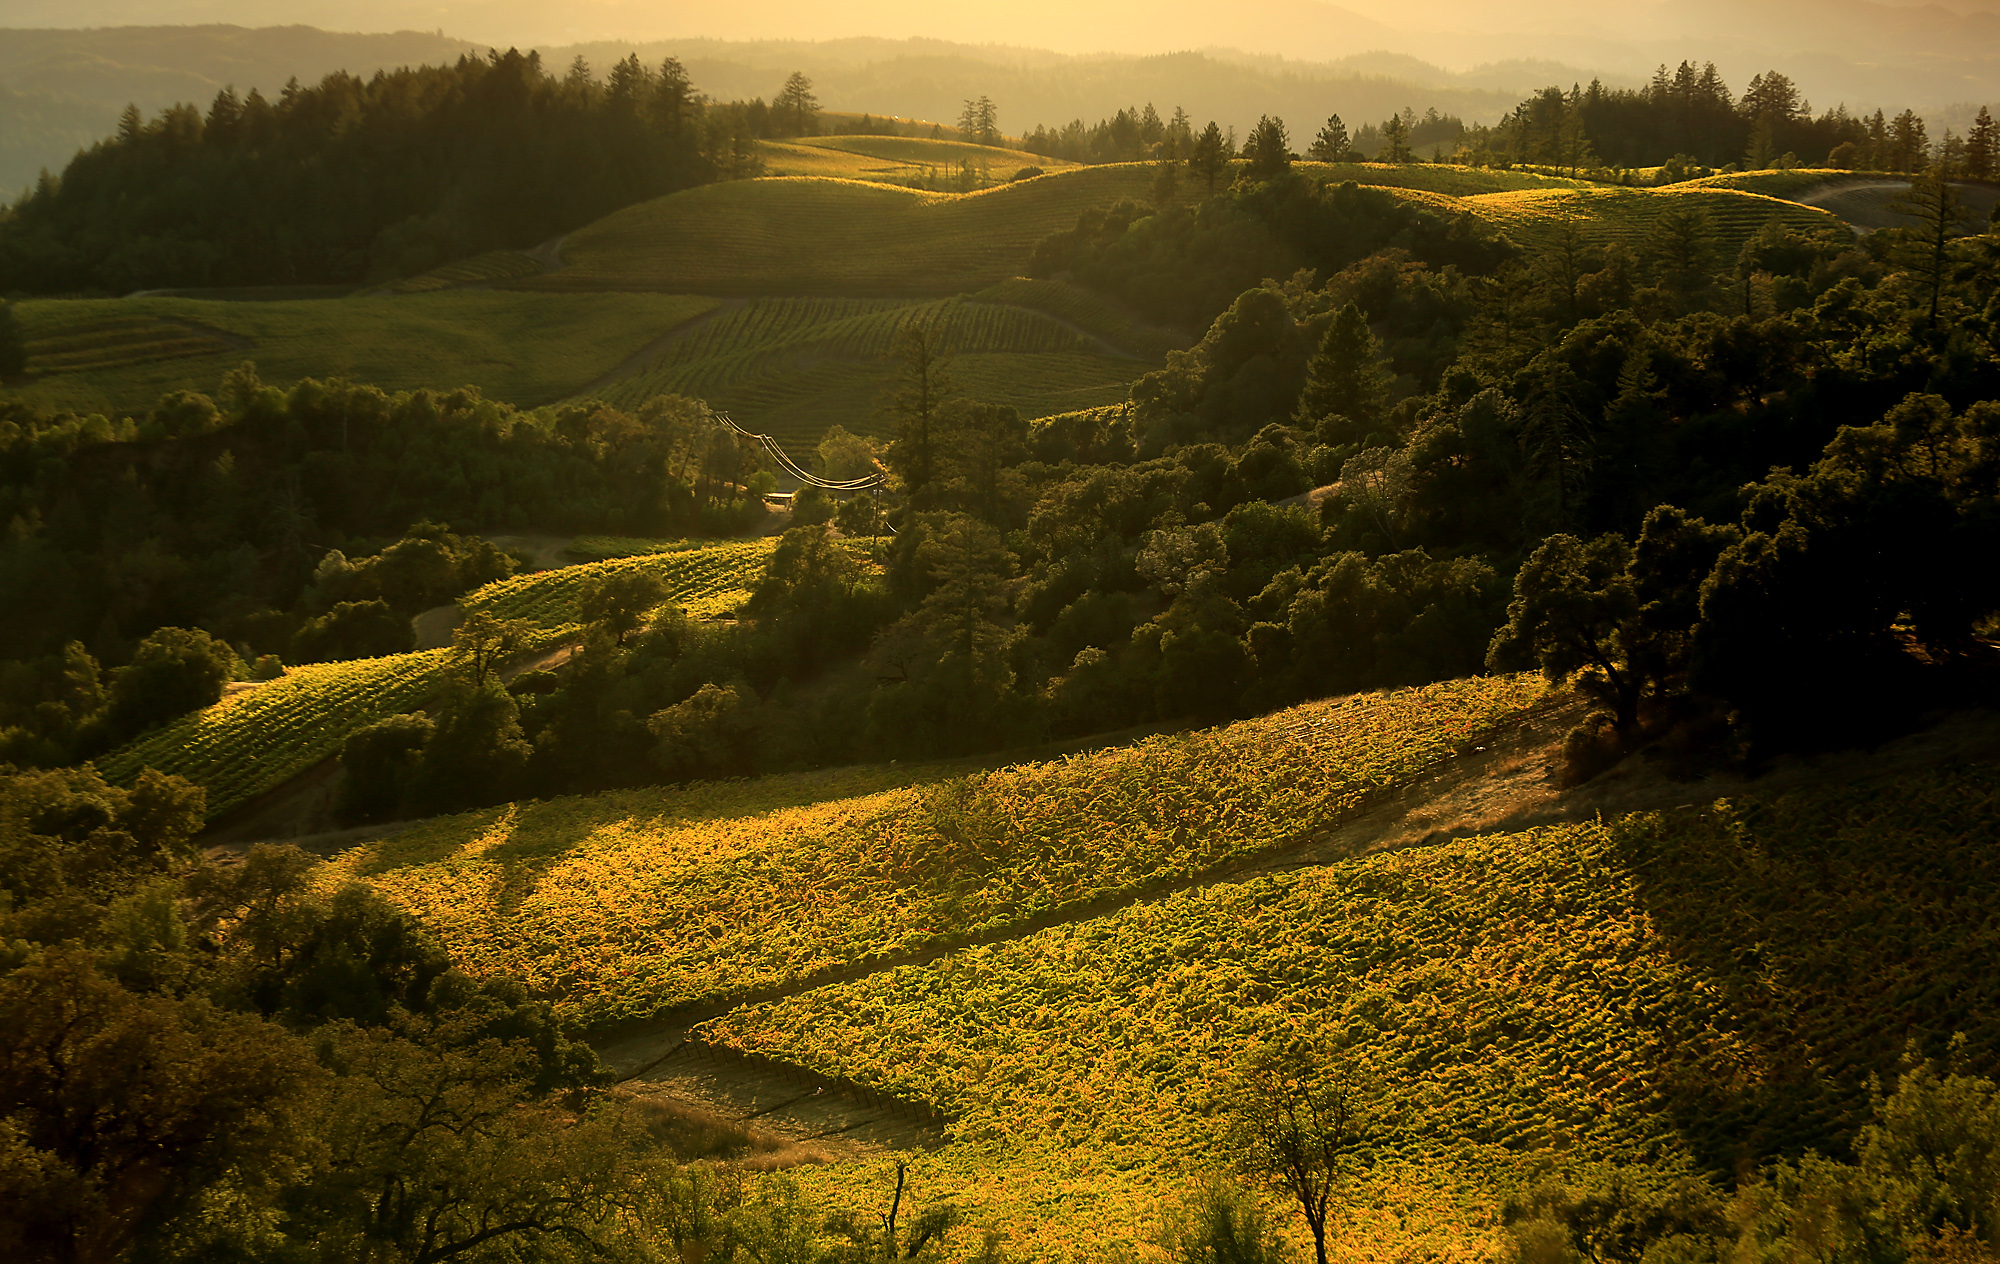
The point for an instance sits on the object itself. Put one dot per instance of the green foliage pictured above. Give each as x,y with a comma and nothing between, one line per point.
1218,1222
463,139
381,762
66,833
1346,387
173,672
264,737
352,629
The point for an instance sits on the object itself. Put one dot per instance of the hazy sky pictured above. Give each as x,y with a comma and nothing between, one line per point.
1308,28
1855,51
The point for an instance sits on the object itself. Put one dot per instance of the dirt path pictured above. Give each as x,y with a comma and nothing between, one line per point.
1506,783
543,552
638,361
549,254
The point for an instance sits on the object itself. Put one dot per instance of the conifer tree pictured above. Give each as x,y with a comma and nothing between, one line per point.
1333,143
1269,149
1346,385
798,105
1209,158
1982,147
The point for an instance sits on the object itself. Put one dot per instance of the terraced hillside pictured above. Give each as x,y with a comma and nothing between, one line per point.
264,736
623,905
799,365
110,355
833,237
1690,990
1629,216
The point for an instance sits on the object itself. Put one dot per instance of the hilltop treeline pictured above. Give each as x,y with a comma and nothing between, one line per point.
1688,114
353,179
220,512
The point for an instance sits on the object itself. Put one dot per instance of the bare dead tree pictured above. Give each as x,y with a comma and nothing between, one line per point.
1298,1126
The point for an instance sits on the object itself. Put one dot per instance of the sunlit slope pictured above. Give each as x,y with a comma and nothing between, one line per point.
846,237
122,354
794,366
895,159
264,736
621,905
825,236
1704,987
1437,178
1631,217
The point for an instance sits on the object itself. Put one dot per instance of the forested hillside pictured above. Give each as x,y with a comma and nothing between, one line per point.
352,179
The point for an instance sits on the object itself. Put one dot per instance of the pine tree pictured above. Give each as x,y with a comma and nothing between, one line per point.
1269,149
1982,147
1346,385
1209,158
1333,143
798,104
1926,248
916,405
1395,140
979,121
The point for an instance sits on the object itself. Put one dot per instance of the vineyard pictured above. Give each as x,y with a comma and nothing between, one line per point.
1087,311
1656,988
77,339
825,236
696,578
1627,216
622,905
795,366
1439,178
526,349
261,738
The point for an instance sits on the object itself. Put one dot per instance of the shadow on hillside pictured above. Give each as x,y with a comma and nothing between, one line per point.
1838,925
544,830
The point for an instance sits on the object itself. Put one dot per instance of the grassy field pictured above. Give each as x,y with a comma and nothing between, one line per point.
117,355
833,237
263,737
620,905
1695,989
792,367
901,160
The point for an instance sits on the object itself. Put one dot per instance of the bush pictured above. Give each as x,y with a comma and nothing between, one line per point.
176,670
353,629
1590,748
381,763
813,507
